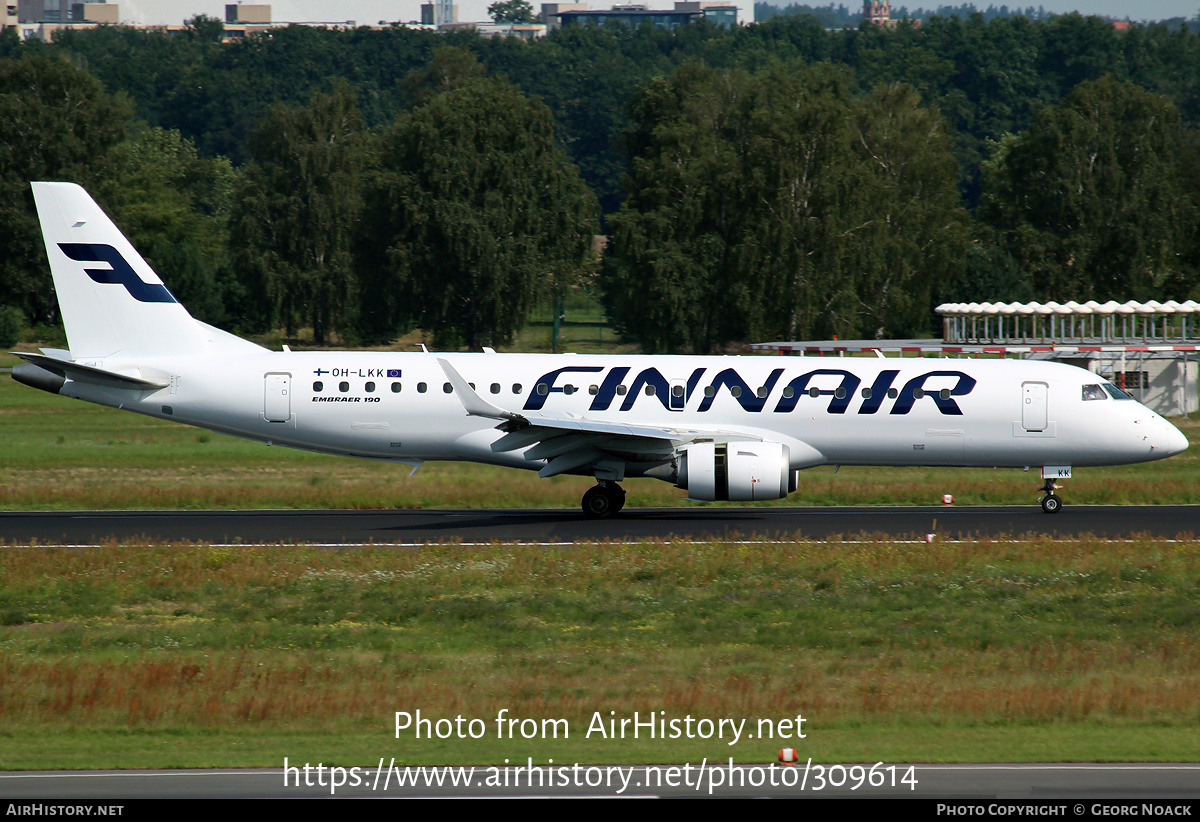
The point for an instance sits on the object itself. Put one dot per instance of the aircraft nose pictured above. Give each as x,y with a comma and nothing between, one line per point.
1171,440
1164,439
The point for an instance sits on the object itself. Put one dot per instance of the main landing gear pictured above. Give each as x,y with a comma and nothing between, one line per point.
603,500
1051,503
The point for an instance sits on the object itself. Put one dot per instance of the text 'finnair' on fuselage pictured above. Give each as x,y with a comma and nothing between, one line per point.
650,381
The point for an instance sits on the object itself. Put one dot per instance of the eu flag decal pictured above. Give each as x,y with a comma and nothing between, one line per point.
393,372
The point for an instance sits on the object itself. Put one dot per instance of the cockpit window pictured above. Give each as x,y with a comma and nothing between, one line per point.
1093,392
1116,393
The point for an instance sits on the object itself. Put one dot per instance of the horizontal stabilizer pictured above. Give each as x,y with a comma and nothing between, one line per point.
96,376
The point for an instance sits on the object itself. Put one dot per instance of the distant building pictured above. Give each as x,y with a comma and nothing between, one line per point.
719,13
439,13
42,11
523,31
550,12
877,12
41,18
101,12
237,13
635,15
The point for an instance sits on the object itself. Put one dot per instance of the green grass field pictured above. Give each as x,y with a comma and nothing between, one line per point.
189,655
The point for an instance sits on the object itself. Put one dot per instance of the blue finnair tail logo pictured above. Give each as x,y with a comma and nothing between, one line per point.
121,272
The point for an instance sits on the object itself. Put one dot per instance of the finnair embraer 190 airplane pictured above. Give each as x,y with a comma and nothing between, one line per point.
723,428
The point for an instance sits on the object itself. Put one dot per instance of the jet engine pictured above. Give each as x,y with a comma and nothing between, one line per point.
740,471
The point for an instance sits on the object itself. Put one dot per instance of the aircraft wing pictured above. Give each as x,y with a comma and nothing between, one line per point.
570,441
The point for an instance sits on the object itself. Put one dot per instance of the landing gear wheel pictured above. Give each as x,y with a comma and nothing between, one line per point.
603,501
1051,504
598,503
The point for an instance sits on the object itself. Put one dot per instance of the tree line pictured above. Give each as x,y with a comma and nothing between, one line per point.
776,181
455,217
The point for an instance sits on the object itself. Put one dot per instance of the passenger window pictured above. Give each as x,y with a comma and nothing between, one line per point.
893,393
395,388
593,390
1093,392
866,393
650,391
447,388
568,389
676,390
422,388
814,392
840,393
709,391
788,392
543,389
735,390
343,387
516,388
762,391
621,390
318,386
370,387
944,393
495,388
918,393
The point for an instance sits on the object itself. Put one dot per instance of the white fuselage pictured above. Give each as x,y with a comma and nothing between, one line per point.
865,411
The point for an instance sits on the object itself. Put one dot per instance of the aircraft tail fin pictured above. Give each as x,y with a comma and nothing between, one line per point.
112,302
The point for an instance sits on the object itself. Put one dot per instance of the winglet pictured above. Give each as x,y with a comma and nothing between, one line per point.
475,405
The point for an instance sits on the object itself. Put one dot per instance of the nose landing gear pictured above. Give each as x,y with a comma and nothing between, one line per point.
1051,503
605,499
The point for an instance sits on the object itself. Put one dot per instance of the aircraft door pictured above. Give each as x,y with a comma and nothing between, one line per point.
277,406
1033,406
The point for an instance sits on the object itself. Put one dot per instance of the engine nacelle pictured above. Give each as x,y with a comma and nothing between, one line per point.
740,471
